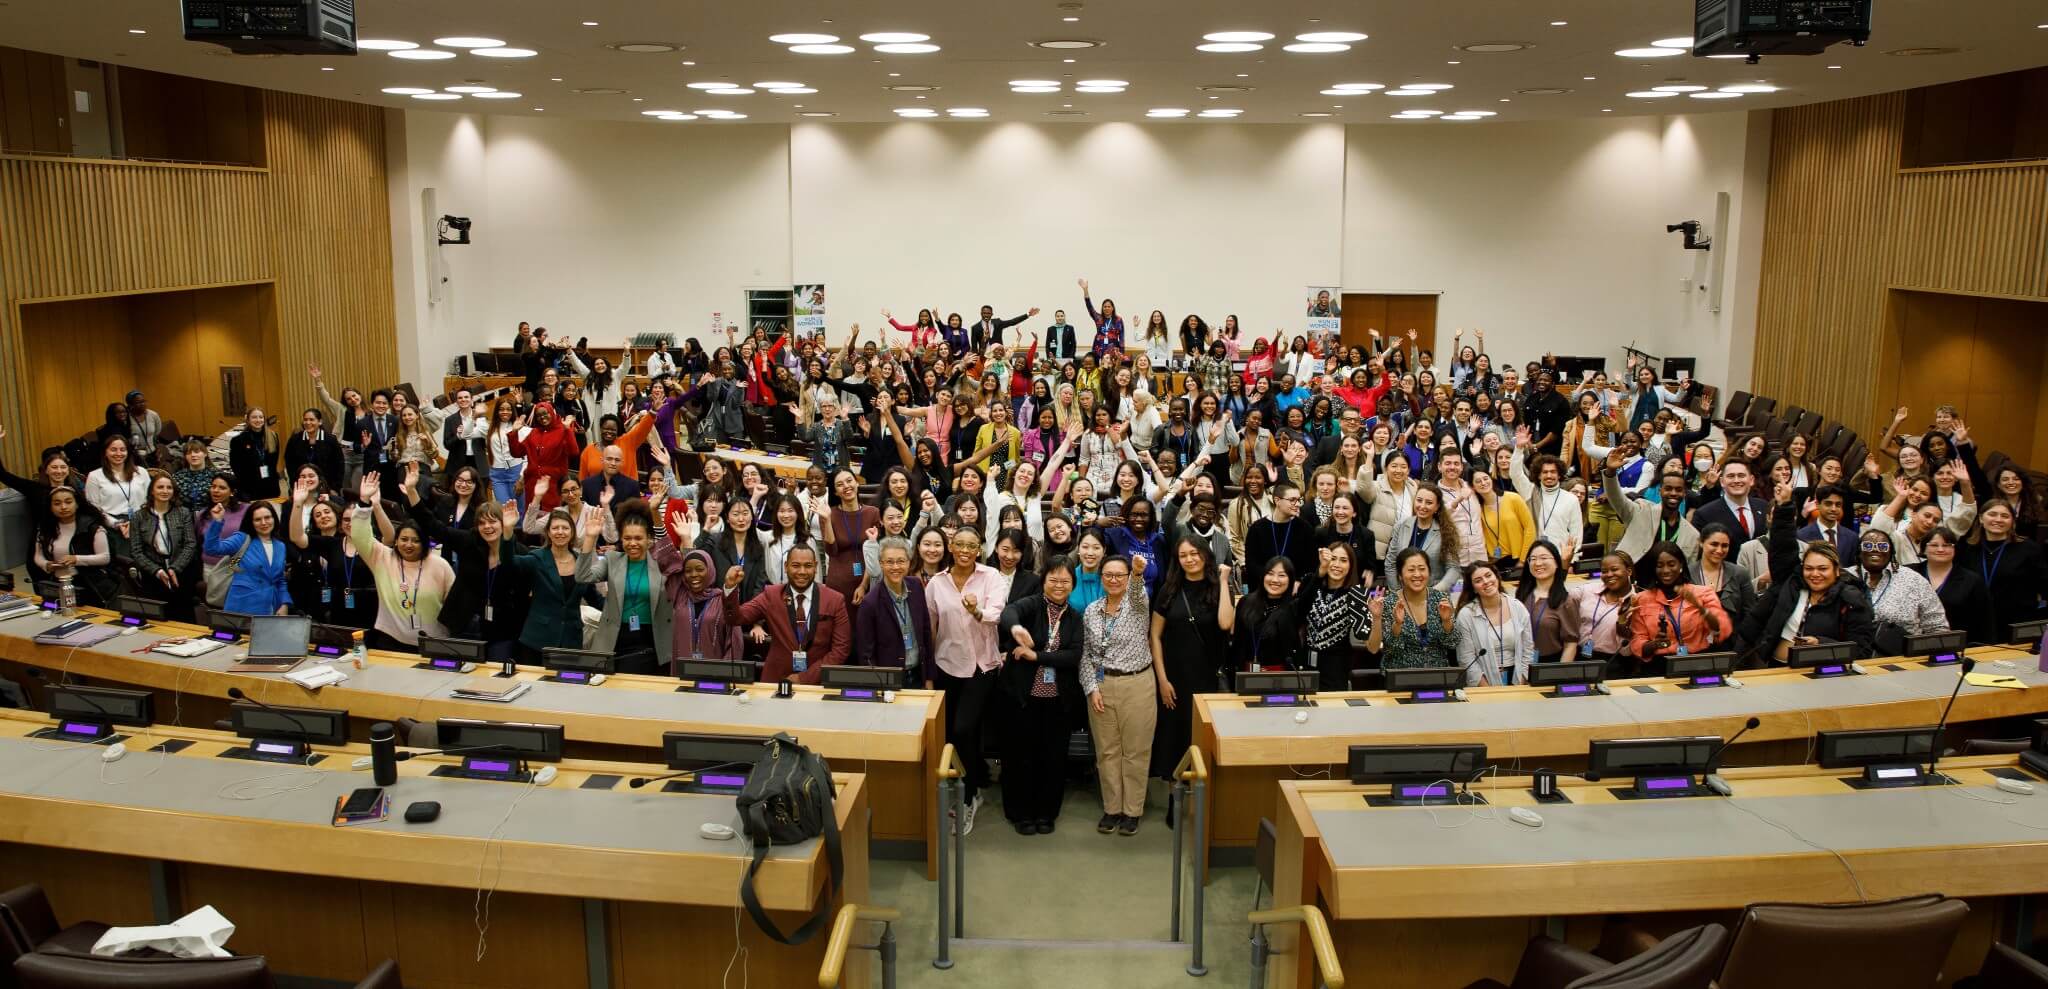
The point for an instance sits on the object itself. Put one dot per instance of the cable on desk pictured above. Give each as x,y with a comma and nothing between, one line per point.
481,906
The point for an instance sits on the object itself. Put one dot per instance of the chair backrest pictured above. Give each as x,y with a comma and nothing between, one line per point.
1738,407
1808,423
1685,960
1792,413
64,970
1760,408
384,976
25,921
2005,968
1894,944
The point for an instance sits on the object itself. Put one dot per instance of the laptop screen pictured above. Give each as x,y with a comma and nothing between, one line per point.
279,637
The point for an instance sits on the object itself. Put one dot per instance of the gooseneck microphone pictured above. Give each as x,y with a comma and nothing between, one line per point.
1934,756
639,781
1714,761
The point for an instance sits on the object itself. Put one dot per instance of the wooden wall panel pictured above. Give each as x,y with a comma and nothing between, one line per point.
34,109
1975,230
70,394
1981,355
314,222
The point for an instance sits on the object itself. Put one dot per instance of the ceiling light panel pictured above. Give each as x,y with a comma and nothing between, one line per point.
1650,52
821,49
1317,48
1238,36
1750,87
1331,37
466,42
803,39
894,38
907,48
1228,47
1680,88
422,54
505,52
407,91
500,95
383,45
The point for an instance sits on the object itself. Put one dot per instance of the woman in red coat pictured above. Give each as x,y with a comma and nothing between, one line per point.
549,449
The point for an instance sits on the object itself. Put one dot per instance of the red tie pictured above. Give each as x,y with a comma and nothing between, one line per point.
1743,514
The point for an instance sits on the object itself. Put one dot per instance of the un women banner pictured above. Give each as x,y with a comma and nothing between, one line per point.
1325,311
808,307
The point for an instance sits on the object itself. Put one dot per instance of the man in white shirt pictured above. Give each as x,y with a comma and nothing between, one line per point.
1559,517
660,362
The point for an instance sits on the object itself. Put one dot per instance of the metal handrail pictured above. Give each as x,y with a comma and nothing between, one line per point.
1189,802
949,763
1193,766
1318,931
952,857
842,939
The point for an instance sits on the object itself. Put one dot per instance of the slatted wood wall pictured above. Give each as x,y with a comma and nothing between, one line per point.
1847,225
315,222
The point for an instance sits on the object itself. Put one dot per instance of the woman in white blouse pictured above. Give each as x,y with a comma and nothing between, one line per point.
1496,642
119,489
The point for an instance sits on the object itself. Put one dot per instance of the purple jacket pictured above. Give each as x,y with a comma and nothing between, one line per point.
878,639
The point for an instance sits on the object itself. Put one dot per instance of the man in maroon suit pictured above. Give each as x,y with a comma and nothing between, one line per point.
804,622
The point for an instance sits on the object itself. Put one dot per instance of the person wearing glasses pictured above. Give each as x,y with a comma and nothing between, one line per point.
1123,683
1901,600
1284,533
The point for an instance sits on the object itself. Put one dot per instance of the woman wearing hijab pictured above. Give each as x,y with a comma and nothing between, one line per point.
699,630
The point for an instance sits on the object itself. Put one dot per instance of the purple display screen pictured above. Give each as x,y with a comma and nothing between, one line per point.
327,650
489,765
1945,657
1430,695
1661,783
52,604
1574,688
224,636
572,676
858,693
276,748
1707,681
1419,791
711,686
732,780
1832,669
132,620
444,663
1273,699
84,728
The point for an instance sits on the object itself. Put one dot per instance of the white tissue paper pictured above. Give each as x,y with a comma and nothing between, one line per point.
203,933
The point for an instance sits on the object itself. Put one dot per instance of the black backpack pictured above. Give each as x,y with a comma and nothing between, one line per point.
787,801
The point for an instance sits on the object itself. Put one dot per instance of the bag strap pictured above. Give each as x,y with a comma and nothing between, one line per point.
757,824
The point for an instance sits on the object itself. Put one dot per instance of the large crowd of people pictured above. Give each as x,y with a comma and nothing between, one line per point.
1059,528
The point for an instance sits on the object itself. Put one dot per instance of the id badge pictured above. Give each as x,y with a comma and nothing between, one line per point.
263,472
798,662
1586,648
487,612
632,623
327,595
857,568
348,600
1045,674
1683,651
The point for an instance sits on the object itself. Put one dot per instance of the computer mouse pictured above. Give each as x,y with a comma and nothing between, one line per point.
1732,682
1525,816
1301,717
1459,693
745,697
113,753
715,831
545,776
2021,787
598,678
888,697
362,762
129,631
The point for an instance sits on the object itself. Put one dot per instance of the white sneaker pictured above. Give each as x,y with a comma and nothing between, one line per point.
967,816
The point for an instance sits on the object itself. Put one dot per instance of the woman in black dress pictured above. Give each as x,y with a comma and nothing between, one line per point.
1191,621
1961,590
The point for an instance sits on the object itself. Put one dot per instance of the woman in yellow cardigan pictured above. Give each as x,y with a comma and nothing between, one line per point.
1504,517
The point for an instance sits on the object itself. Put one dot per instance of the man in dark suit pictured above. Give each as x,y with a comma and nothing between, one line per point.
1041,640
803,622
378,430
989,330
1732,504
1831,524
1351,423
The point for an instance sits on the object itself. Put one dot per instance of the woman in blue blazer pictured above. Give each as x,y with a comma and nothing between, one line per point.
258,587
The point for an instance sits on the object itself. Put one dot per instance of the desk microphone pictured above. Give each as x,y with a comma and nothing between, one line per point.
1935,755
238,694
639,781
403,756
1714,761
86,697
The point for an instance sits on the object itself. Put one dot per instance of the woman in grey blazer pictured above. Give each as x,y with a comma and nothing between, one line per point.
163,549
638,617
1424,531
1729,579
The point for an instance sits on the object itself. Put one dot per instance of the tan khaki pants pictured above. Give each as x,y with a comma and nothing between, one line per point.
1123,740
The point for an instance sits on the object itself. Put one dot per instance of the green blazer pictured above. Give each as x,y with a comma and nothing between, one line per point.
556,618
613,573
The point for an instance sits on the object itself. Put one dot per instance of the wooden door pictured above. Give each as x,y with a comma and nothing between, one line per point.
1392,315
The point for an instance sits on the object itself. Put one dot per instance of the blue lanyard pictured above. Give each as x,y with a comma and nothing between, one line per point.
1887,589
1594,626
1279,544
348,571
1989,564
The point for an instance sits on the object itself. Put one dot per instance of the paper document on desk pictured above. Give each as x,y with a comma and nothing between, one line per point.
203,933
186,649
1994,680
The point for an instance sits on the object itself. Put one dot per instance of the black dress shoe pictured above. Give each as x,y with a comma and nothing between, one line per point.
1128,826
1027,827
1108,823
1045,827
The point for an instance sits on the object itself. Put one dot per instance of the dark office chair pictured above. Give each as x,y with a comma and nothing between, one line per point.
68,970
1737,412
1893,944
1685,960
27,923
2006,968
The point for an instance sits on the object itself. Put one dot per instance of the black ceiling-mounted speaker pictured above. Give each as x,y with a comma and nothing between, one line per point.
1777,27
274,27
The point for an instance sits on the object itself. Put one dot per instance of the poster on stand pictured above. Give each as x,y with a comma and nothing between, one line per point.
808,306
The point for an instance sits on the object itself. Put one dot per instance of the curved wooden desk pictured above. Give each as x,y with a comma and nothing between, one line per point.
1442,896
1250,749
895,745
589,880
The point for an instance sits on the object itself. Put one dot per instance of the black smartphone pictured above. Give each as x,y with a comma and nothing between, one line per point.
362,801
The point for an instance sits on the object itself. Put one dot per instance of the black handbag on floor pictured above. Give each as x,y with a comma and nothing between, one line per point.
788,801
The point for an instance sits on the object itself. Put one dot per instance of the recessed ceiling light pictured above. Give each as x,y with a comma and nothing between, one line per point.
1064,44
1066,113
816,113
1559,23
1316,48
1098,89
691,64
437,96
1034,89
1219,112
1406,116
1506,100
1035,82
600,91
644,47
920,97
1317,113
1411,92
1454,63
907,48
1166,111
407,90
966,111
1358,87
821,49
1110,83
1715,96
497,96
1477,113
707,85
916,111
1244,75
1606,109
1460,117
1650,52
1589,78
1680,43
1238,36
1228,47
1543,92
1650,94
1070,20
1423,113
463,41
540,109
1685,88
894,37
381,45
1344,92
678,116
716,113
910,88
732,116
327,68
1750,87
422,54
470,89
555,79
137,30
658,113
1495,47
767,85
803,39
794,91
1331,37
1427,85
505,52
734,91
1834,66
1911,52
589,23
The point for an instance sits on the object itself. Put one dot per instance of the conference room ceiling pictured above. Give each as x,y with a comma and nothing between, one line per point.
1564,63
